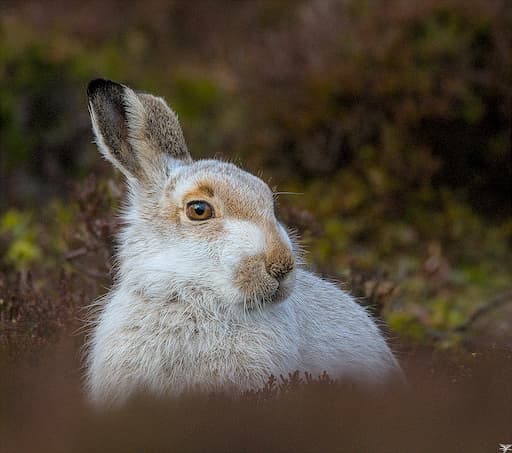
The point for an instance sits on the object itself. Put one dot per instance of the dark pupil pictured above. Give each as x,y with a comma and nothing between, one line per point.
199,208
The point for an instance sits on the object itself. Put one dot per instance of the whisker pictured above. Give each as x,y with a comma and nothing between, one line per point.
287,193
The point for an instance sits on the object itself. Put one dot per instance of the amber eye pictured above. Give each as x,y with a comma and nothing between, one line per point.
199,210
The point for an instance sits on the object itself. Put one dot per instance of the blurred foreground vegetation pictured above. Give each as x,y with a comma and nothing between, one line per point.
390,120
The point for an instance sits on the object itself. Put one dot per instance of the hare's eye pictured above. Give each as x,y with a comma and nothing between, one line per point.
199,210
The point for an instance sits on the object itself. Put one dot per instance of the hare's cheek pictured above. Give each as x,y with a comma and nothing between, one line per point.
241,239
241,256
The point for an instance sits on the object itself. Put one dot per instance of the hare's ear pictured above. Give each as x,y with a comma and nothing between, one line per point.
136,132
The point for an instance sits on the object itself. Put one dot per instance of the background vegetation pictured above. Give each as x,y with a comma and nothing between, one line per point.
391,119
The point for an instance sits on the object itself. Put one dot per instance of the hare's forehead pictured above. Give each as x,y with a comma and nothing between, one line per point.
227,183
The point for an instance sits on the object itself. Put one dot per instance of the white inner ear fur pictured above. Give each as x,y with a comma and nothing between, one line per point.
136,118
104,149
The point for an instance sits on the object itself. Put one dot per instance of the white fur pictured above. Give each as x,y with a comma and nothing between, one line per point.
158,332
176,321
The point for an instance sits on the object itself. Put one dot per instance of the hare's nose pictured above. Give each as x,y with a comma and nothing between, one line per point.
280,269
279,259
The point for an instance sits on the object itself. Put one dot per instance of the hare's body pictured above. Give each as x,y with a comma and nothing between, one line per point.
209,295
170,347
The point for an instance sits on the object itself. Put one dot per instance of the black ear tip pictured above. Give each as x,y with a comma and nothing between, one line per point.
98,85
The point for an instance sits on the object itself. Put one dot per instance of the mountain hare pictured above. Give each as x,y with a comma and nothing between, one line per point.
209,294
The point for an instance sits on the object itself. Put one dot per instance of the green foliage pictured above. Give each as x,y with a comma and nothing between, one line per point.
23,249
407,325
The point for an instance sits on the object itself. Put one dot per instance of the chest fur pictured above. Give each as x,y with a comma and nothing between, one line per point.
179,344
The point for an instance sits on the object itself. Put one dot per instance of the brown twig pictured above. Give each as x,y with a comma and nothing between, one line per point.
495,303
72,254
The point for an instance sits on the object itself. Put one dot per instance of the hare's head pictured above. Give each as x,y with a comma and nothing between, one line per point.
197,230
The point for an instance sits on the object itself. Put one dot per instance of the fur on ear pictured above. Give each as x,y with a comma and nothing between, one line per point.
137,132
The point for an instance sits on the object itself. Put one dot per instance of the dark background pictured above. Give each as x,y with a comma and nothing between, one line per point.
392,119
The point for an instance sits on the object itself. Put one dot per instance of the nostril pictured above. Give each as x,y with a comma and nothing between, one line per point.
280,270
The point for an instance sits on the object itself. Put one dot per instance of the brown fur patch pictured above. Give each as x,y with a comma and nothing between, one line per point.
248,199
253,280
206,189
279,259
198,194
